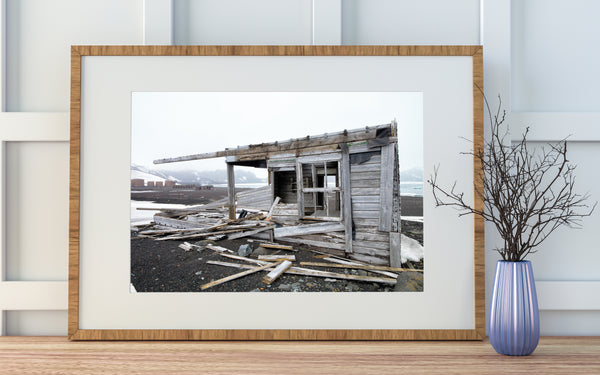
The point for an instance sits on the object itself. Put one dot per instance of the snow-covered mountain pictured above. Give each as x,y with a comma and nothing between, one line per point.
195,177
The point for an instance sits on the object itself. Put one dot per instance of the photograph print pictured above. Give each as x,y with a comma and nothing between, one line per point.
277,192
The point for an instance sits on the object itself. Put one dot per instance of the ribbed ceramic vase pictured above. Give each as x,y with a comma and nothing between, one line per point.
514,326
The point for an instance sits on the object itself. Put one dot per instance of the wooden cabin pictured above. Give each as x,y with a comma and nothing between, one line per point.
339,192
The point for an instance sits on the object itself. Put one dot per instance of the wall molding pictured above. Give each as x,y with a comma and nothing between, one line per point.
28,295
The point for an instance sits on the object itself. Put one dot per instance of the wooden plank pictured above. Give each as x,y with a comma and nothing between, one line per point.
332,156
307,229
236,276
291,258
249,233
366,214
346,200
369,259
276,272
367,223
263,150
321,189
365,199
395,250
275,202
359,267
370,175
176,223
357,263
366,167
366,191
388,158
368,250
246,259
365,207
299,194
277,246
218,249
371,236
316,273
231,190
371,183
321,244
376,245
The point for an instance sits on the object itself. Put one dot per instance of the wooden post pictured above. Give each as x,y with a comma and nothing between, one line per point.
346,199
386,187
231,190
299,188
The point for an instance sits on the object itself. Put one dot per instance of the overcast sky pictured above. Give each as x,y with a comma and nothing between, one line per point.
171,124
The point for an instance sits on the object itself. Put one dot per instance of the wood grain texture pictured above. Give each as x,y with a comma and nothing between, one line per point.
78,52
55,355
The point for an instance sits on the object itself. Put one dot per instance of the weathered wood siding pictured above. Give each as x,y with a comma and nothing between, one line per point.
369,244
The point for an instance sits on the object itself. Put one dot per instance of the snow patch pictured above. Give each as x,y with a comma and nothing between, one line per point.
410,249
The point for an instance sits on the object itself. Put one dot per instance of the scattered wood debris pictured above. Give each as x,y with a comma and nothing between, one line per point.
278,271
291,258
211,222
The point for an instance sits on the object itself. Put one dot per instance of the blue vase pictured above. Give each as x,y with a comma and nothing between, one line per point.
514,326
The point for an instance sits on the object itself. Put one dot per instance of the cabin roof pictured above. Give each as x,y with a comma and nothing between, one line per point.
263,150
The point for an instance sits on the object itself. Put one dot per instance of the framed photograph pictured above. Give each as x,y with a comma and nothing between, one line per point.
274,193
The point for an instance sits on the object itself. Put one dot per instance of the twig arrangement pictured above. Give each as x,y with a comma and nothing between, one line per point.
527,194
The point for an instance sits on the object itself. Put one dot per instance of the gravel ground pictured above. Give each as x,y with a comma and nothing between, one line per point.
161,266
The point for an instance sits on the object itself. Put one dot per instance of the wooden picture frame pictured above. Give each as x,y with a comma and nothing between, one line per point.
96,71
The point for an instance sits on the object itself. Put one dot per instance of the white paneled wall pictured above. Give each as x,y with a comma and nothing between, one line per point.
39,35
530,73
542,57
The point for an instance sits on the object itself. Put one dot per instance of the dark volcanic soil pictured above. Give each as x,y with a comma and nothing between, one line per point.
161,266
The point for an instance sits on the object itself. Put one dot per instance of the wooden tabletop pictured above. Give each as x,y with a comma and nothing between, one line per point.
56,355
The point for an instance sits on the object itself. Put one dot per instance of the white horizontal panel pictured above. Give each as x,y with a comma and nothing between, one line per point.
568,295
39,35
33,295
37,323
553,126
34,126
410,22
243,22
569,323
554,56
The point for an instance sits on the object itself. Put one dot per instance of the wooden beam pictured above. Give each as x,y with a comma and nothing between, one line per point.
357,263
231,190
299,188
316,273
275,202
291,258
263,150
395,249
249,233
359,267
387,187
277,246
236,276
278,271
346,200
304,229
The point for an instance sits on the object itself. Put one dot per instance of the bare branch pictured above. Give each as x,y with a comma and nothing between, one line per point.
527,194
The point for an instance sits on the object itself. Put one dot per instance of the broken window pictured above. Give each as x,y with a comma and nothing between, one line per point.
320,192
